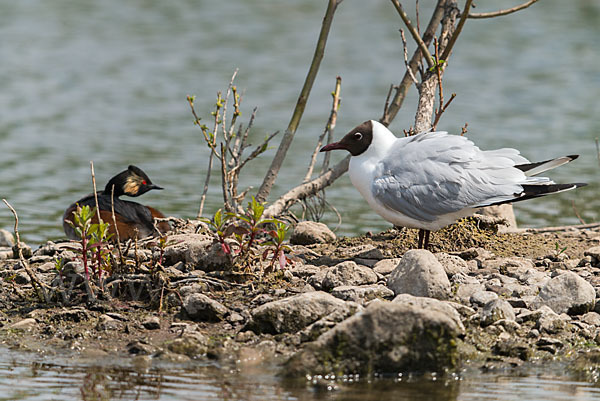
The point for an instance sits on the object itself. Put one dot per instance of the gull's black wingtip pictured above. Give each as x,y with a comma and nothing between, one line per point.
572,157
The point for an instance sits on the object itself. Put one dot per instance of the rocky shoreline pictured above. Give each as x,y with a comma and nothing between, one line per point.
369,305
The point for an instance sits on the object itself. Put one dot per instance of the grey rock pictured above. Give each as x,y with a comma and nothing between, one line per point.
290,315
302,270
445,307
503,215
363,293
495,310
567,293
151,323
420,274
25,250
327,322
548,321
480,298
197,250
464,310
140,348
192,345
196,288
386,266
591,318
25,324
202,308
345,273
311,232
6,253
106,323
6,238
367,251
386,337
452,264
594,255
21,277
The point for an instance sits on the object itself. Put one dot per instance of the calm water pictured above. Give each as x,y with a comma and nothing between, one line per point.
28,377
107,80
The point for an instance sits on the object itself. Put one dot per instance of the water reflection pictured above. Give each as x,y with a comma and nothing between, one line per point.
33,377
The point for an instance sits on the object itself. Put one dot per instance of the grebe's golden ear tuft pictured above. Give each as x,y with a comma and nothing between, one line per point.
132,185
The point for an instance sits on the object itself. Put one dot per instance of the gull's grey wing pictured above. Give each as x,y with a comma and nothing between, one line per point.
433,174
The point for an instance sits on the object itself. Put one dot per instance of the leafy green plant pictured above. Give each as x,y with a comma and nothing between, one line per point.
99,237
223,231
276,247
93,239
250,229
252,226
558,249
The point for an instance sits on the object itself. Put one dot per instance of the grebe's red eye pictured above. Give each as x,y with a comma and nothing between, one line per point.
144,182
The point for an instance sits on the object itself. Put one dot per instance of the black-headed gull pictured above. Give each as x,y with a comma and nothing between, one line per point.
428,181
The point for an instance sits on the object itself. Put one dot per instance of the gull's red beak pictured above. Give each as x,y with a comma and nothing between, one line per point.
333,146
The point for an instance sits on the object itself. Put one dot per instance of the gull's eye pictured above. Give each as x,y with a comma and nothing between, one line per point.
358,136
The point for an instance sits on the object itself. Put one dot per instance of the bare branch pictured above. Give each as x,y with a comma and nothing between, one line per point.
500,13
408,69
267,184
457,31
414,33
329,127
307,189
225,102
37,284
405,84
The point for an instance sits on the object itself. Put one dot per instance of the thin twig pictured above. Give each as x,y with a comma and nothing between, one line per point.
464,130
406,82
500,13
562,228
95,191
457,31
256,152
597,150
114,219
408,69
286,141
582,221
37,284
329,127
414,33
386,106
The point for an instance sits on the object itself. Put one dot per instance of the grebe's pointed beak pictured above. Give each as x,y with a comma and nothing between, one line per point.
155,187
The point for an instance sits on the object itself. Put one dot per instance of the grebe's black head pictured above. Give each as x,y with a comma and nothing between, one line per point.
131,182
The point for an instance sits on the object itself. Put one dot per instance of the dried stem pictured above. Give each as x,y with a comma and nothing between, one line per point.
37,284
414,33
408,69
500,13
114,219
329,128
95,192
271,176
581,220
